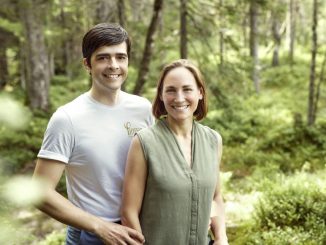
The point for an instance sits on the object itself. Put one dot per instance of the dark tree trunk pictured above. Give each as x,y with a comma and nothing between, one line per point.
66,49
183,29
3,59
310,116
147,54
38,79
121,12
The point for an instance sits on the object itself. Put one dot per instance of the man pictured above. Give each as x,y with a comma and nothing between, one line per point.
89,139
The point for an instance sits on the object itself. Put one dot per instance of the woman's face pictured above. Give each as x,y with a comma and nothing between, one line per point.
180,94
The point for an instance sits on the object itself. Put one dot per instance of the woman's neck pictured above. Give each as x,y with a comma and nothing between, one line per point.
180,128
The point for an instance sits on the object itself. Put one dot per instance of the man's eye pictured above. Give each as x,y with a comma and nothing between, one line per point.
122,57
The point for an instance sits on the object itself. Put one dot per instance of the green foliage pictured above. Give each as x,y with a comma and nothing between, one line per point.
21,147
292,210
54,238
64,90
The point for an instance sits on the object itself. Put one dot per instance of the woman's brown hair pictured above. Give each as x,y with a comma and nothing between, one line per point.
158,105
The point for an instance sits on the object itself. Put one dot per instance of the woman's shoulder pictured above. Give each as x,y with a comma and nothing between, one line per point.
209,132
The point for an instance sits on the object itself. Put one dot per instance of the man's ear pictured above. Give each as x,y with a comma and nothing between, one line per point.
86,65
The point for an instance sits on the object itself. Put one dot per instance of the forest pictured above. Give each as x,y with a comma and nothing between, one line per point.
264,65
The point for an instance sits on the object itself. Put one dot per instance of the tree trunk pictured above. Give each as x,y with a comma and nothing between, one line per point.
38,79
310,116
105,11
221,35
3,60
66,49
121,12
183,29
293,9
136,9
253,15
277,39
144,65
122,22
321,79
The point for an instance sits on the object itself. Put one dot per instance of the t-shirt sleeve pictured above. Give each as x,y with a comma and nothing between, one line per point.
150,119
58,139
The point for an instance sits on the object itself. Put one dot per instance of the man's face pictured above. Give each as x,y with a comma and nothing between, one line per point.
109,67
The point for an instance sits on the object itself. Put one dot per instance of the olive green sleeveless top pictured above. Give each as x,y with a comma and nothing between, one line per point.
177,199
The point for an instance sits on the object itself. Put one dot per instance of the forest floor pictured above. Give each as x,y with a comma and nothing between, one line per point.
37,224
239,208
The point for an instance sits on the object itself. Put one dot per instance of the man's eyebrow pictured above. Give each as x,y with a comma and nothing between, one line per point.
122,54
109,54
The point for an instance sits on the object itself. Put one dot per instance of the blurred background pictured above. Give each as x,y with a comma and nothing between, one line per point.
264,64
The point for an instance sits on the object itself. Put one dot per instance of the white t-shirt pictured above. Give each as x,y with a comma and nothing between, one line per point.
93,140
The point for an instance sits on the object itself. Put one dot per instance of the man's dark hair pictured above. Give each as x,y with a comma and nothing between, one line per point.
104,34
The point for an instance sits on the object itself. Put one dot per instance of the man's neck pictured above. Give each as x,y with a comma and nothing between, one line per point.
110,98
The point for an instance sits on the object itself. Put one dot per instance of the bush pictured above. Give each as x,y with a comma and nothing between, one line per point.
54,238
293,211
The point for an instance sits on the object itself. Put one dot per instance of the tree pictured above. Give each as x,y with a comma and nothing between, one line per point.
105,11
121,12
311,97
292,10
253,40
183,29
3,58
221,36
37,65
321,79
147,54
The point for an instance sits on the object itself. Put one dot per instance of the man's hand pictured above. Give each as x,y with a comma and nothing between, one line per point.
223,241
115,234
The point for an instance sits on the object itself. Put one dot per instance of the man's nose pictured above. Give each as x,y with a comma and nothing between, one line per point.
113,64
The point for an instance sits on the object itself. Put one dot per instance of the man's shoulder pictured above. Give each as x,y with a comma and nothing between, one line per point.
136,99
70,108
77,102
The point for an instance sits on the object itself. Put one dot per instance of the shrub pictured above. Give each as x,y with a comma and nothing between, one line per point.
54,238
293,211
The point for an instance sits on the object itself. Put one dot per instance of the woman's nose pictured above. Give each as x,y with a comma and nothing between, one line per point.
179,97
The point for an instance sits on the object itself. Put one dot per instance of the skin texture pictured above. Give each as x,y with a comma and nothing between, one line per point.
108,70
180,95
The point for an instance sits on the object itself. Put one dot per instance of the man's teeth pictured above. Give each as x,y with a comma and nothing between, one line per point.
111,76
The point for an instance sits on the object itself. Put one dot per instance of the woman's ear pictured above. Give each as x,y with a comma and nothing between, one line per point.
201,94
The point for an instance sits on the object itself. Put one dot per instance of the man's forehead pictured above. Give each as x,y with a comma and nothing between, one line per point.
112,49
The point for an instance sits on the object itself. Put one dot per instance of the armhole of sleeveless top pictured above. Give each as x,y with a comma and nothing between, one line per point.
143,146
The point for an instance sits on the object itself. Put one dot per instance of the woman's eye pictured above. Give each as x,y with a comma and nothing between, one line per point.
169,91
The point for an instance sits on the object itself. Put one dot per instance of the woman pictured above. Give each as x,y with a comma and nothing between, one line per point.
172,172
